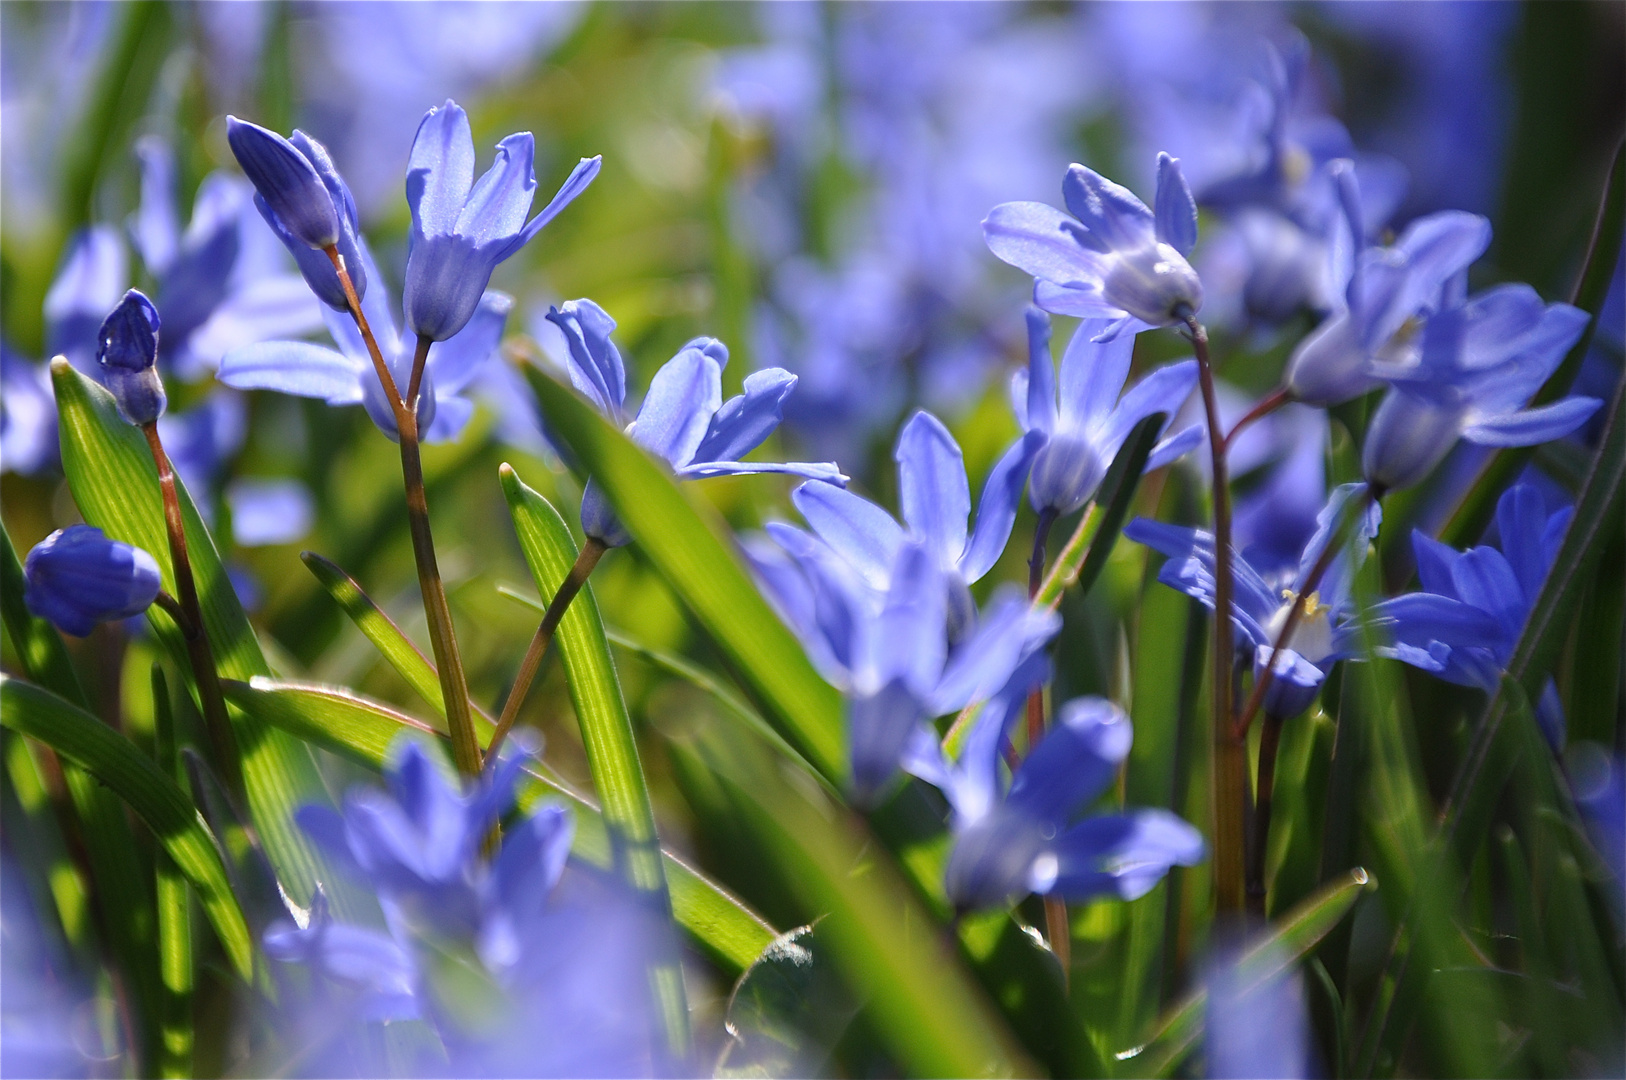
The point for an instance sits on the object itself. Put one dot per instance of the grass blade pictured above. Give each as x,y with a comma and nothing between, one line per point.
174,914
691,550
601,712
113,760
359,729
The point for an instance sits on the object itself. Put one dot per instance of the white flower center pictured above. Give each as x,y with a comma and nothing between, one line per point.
1312,634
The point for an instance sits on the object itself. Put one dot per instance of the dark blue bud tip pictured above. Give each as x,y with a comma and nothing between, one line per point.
129,335
288,182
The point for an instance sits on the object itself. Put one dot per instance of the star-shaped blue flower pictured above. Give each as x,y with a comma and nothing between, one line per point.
684,419
1112,258
1030,836
1083,423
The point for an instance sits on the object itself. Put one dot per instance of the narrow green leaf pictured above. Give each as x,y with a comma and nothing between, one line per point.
361,730
113,760
408,661
601,713
1290,939
889,949
174,914
691,549
115,485
787,1012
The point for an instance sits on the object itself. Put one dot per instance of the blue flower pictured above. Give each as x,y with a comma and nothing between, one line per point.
306,202
888,650
127,350
1113,259
1256,1024
1480,362
936,498
77,577
1383,296
1598,781
1030,837
1502,585
346,376
683,419
461,229
1421,629
516,969
1082,432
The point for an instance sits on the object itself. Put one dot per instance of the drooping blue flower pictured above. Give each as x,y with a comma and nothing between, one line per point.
1420,629
127,350
1598,782
936,499
1383,296
1502,585
1082,423
888,651
462,229
1113,258
306,202
683,418
1479,364
346,376
77,577
520,967
1030,836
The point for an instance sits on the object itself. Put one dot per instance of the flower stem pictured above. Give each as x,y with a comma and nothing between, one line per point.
442,635
454,688
1230,753
1267,405
586,560
1269,737
1057,927
222,742
1266,676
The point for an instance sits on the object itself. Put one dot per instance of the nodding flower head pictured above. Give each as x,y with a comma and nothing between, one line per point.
306,202
77,577
127,350
1112,258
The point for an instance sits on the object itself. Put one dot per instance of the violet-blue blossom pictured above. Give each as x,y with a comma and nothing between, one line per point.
1502,585
888,651
77,577
1420,629
1083,422
346,376
127,350
1113,258
307,204
1480,362
936,499
1383,295
1598,782
518,971
461,229
1256,1024
683,419
1030,836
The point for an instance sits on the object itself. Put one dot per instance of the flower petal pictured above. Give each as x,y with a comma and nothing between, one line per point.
1123,855
857,529
440,170
1164,391
1529,427
1041,241
1038,412
496,207
458,359
1074,762
1093,375
294,367
747,419
683,397
1116,219
580,178
1176,209
932,485
996,511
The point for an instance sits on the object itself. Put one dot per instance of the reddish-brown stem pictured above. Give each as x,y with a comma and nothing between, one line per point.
217,721
1230,755
586,560
1267,405
391,392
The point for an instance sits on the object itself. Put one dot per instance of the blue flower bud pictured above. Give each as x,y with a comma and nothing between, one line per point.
287,181
599,521
127,349
306,202
77,577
